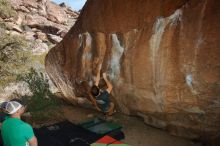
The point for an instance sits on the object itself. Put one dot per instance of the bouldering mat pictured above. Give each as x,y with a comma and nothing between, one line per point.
68,134
65,134
102,127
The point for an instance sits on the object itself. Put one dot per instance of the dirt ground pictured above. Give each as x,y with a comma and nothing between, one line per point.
136,132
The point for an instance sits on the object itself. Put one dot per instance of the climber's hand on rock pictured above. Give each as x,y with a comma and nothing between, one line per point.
104,75
100,67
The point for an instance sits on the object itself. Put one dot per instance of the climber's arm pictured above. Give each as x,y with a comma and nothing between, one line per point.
109,85
92,99
97,79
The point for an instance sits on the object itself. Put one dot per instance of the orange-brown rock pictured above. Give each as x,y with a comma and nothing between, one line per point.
162,57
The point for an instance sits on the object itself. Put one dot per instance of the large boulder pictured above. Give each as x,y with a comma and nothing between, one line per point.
161,56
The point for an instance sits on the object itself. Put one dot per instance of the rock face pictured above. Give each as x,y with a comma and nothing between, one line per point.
162,57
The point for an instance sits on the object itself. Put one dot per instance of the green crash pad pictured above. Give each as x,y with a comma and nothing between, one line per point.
100,126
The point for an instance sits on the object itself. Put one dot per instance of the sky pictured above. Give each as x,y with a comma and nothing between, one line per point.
75,4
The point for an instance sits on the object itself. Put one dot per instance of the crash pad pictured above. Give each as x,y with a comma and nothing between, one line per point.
100,126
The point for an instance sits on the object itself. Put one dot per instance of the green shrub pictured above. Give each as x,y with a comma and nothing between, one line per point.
6,10
3,25
11,47
14,54
37,83
43,105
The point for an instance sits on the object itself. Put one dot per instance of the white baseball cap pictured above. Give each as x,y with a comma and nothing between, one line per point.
12,107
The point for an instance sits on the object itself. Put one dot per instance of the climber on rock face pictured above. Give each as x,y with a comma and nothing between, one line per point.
102,97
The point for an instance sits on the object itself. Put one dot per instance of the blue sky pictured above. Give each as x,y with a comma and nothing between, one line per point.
75,4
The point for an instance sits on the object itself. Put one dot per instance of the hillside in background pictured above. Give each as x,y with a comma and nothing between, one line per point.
28,29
